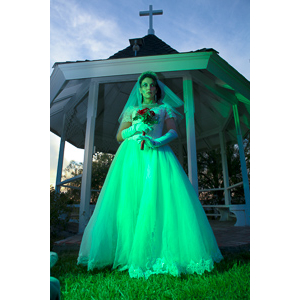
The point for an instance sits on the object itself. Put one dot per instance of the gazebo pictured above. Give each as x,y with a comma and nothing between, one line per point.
87,97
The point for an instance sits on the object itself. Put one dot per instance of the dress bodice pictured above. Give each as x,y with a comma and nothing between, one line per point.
161,111
157,128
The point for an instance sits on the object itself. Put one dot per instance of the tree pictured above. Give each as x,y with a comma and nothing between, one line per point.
100,166
210,172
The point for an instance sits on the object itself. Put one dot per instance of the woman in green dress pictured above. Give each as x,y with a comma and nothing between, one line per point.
148,218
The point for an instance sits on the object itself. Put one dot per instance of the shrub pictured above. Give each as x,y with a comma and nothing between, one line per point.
59,212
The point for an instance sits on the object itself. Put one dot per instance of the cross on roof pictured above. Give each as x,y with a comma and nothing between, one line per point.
151,13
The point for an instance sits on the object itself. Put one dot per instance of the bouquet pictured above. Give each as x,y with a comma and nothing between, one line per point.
148,117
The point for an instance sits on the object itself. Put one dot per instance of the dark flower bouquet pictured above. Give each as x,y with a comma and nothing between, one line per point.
148,117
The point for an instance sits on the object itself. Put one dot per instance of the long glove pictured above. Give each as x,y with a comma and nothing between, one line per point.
132,130
161,141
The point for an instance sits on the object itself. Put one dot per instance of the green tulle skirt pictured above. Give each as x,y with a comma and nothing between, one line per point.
148,218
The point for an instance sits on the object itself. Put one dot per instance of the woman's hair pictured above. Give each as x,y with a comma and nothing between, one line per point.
153,76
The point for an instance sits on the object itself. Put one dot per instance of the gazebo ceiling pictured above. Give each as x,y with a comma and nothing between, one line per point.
216,86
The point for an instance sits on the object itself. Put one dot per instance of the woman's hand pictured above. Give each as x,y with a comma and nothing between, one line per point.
127,130
140,127
148,140
161,141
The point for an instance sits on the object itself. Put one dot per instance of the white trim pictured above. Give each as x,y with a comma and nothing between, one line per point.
225,72
189,111
225,168
243,162
70,179
214,88
61,155
85,195
133,65
57,83
80,94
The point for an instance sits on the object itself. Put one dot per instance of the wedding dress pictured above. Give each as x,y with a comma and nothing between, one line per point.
148,218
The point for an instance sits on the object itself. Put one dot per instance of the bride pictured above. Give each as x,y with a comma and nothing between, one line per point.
148,218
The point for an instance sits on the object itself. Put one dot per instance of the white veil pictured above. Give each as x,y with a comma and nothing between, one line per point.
167,97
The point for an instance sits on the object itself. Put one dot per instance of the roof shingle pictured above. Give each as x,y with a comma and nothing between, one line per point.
152,45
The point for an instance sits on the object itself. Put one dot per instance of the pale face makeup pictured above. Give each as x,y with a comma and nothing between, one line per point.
148,90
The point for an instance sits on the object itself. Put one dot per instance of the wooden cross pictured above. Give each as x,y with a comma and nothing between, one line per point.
151,13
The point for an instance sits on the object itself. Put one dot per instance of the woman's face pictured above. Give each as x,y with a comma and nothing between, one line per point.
148,89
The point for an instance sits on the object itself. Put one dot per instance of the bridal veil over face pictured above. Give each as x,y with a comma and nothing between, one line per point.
169,98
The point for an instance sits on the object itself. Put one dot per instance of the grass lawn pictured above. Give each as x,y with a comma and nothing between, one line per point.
230,279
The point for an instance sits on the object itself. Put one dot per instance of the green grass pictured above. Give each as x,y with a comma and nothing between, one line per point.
230,279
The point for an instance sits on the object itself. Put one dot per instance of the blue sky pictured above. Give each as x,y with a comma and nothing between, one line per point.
93,29
97,29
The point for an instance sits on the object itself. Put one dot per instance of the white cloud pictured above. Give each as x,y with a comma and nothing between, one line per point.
78,34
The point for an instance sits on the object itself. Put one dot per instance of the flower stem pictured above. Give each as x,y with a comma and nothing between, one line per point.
143,142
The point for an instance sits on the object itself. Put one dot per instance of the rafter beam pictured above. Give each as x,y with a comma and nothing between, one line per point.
242,98
208,133
225,72
57,83
225,124
81,93
201,79
211,111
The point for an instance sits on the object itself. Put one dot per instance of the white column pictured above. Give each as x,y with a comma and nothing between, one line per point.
84,212
225,168
243,162
61,155
189,111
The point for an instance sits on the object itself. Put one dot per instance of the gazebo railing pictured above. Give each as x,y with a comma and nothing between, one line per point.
225,210
63,184
69,180
234,185
221,189
77,188
75,216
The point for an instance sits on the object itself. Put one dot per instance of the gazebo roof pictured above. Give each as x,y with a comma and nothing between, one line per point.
216,86
150,45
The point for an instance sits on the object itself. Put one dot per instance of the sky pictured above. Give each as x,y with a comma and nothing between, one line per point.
91,29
